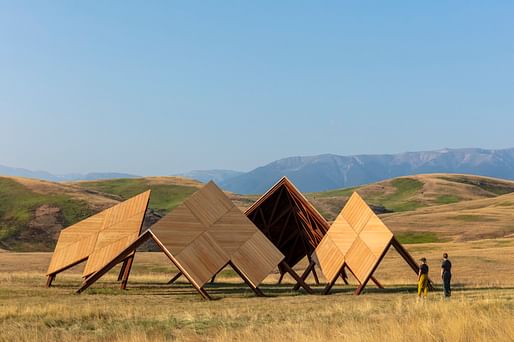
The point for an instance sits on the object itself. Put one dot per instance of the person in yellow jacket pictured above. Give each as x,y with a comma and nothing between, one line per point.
423,278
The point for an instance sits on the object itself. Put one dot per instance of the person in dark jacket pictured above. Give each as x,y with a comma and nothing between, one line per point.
423,278
446,274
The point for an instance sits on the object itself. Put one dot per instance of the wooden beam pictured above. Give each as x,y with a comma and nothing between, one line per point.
126,271
50,279
305,274
329,286
255,289
281,277
361,287
172,280
299,280
374,280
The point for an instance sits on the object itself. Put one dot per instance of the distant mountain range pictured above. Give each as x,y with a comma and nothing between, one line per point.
19,172
329,171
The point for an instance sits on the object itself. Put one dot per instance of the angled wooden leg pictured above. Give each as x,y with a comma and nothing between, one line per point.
299,280
305,274
344,276
213,279
377,283
126,272
255,289
281,277
49,280
316,280
174,279
122,270
331,284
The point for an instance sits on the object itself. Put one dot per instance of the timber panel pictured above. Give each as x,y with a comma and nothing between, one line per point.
89,238
122,226
257,258
360,260
178,229
376,236
202,259
357,238
329,258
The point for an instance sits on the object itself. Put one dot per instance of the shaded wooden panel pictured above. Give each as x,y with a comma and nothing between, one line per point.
288,220
232,230
178,229
329,258
356,212
361,260
209,204
376,236
202,259
257,258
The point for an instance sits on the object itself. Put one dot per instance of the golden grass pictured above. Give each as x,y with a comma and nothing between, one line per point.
481,309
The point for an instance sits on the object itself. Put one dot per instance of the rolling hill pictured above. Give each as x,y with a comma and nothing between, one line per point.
422,208
32,212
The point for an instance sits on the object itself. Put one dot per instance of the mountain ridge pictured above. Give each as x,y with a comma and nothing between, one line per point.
331,171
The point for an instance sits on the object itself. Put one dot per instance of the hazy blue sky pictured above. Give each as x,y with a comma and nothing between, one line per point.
158,88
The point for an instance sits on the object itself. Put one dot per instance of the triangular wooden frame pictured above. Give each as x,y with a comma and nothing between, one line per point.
290,221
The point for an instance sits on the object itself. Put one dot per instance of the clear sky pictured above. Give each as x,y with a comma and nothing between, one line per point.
155,88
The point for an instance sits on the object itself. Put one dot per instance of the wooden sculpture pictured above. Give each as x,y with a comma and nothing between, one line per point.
203,235
99,238
288,220
358,240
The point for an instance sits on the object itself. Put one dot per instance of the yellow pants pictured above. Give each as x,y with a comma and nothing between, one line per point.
423,285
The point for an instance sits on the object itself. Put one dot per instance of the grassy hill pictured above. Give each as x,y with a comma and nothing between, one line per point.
422,208
414,192
32,212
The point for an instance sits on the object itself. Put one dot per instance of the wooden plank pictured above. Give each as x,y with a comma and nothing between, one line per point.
178,229
202,259
329,258
209,204
232,230
356,212
257,258
79,241
376,235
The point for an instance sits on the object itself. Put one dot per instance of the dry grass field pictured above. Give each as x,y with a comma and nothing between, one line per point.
481,309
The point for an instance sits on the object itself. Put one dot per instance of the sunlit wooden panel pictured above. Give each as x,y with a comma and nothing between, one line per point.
376,236
356,212
342,234
360,260
329,258
122,226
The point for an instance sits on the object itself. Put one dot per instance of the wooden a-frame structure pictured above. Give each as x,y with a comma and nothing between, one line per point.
99,238
358,240
203,235
290,221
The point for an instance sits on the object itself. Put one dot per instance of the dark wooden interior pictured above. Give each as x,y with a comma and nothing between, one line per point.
287,218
